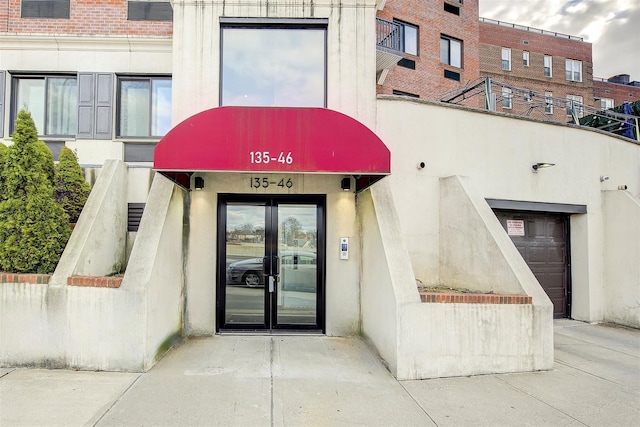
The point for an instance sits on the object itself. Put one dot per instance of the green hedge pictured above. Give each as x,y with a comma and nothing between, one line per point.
34,228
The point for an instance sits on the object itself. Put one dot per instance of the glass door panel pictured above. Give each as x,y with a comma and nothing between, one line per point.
245,249
270,263
297,250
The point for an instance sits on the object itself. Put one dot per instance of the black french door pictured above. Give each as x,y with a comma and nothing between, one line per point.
270,262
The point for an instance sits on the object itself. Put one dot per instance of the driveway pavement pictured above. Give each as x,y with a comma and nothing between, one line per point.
323,381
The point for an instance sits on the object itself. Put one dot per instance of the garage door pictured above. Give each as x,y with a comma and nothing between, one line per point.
542,239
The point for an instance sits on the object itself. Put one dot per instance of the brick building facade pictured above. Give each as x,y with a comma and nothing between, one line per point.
86,17
548,64
448,28
615,91
554,68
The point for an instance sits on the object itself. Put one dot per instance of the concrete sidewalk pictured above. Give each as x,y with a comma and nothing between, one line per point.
322,381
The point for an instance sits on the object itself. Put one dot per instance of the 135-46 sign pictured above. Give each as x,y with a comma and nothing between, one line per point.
266,157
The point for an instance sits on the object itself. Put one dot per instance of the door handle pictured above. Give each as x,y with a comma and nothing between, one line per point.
272,280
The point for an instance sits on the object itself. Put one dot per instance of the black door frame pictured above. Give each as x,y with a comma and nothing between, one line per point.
271,203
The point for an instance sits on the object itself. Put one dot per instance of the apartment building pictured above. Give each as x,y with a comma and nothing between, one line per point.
615,91
290,184
439,47
545,63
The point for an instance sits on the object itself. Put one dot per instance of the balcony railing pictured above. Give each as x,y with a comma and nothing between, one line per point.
387,35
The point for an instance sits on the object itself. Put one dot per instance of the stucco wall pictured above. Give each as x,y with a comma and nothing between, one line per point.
121,329
424,340
496,152
342,276
350,51
622,261
97,244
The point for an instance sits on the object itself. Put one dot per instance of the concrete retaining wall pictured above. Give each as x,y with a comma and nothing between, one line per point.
118,329
425,340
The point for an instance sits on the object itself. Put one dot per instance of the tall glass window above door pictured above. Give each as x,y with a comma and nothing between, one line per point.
273,66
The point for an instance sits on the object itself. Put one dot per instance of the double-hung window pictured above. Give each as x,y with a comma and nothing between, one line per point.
507,96
450,51
573,70
408,37
52,101
605,103
575,105
506,59
548,66
548,103
525,58
144,106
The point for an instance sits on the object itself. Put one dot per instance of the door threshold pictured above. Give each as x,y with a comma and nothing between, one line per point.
275,332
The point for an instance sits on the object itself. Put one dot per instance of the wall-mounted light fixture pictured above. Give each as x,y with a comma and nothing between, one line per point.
604,178
198,183
345,184
540,165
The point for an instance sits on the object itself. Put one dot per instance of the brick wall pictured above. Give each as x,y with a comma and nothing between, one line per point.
618,92
542,43
464,298
87,17
4,15
34,279
493,38
428,80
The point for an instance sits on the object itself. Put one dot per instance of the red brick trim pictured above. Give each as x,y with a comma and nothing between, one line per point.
475,298
40,279
94,281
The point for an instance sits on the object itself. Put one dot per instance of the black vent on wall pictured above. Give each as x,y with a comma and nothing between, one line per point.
452,75
134,215
56,9
407,63
149,11
452,9
139,152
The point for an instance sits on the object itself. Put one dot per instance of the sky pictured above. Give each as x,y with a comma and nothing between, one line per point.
611,26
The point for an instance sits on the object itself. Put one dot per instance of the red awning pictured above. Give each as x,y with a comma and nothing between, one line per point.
272,139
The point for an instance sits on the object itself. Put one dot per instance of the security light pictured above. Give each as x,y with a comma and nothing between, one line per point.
541,165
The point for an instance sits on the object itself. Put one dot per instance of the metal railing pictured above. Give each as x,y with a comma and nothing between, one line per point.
530,29
388,34
496,96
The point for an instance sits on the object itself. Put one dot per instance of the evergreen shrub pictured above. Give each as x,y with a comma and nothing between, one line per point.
71,190
34,228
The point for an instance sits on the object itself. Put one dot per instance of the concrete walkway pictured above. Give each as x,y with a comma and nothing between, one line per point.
323,381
